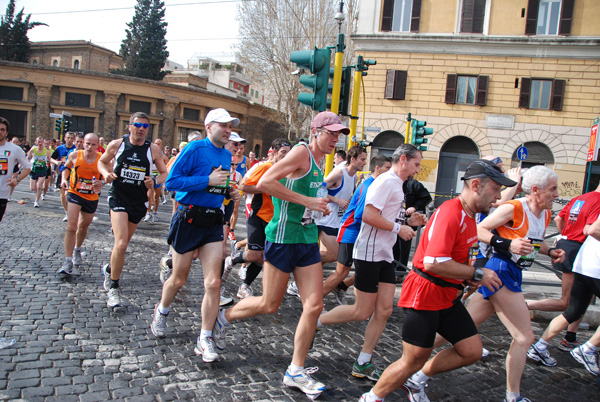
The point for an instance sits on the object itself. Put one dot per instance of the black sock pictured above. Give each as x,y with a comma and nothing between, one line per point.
252,272
240,258
342,286
571,336
114,284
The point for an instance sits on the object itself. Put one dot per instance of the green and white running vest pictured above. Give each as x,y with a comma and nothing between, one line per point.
292,223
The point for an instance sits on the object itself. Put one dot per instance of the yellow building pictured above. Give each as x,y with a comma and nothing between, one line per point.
488,77
73,77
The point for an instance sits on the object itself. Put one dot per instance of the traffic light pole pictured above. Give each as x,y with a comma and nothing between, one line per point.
407,139
335,94
355,101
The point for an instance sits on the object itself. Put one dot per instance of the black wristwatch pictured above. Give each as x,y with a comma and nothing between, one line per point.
478,275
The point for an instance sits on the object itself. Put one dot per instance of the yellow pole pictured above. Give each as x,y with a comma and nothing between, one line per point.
408,133
355,102
335,99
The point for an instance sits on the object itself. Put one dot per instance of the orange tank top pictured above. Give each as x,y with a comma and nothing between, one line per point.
82,177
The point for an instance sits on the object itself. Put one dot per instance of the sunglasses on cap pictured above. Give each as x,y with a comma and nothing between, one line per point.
138,125
283,144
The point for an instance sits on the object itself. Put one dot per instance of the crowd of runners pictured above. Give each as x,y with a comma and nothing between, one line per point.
467,266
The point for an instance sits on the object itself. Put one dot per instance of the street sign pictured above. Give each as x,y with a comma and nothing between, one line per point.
594,140
55,115
522,153
67,114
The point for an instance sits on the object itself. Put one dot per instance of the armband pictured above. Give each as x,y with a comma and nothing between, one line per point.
500,243
396,228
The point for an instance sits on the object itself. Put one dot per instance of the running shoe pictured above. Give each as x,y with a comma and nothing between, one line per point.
114,298
542,356
227,270
367,370
66,268
35,204
66,218
364,398
164,201
304,382
340,296
159,323
234,249
43,197
293,290
77,258
485,353
589,360
106,277
415,391
245,291
231,236
206,348
242,271
519,399
154,217
165,269
225,301
219,332
567,346
148,217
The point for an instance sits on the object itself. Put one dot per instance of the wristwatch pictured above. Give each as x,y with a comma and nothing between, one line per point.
478,275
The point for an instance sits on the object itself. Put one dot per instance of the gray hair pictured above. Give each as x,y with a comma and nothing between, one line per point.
194,135
537,176
409,150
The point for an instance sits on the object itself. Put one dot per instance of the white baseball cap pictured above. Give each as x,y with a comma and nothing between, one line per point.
220,116
235,137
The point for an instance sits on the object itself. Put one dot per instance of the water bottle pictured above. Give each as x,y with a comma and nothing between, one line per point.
321,193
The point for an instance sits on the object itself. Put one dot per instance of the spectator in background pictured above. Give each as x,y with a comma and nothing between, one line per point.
416,197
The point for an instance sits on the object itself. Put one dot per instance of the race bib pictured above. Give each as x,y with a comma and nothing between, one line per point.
527,260
85,186
133,174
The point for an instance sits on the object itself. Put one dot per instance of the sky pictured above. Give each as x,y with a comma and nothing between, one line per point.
206,26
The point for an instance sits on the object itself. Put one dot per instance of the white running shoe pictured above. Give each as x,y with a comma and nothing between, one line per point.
114,298
415,391
66,268
304,382
245,291
148,217
35,204
243,271
219,332
589,360
206,348
293,290
43,197
485,353
227,270
224,301
154,217
66,218
165,270
77,258
159,323
106,275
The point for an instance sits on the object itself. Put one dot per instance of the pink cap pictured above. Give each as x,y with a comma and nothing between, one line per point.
329,121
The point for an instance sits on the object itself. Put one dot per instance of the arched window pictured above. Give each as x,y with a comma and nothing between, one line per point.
55,63
456,154
386,143
537,154
76,64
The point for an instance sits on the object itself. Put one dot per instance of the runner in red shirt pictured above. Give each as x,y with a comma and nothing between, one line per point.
432,290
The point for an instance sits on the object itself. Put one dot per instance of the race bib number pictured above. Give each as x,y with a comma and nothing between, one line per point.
527,260
341,212
132,174
3,166
85,186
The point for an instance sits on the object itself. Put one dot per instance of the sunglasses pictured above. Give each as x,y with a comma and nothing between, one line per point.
138,125
331,133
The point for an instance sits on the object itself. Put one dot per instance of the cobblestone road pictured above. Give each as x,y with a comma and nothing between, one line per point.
71,347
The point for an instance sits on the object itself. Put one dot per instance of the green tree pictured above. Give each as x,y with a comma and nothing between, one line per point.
145,47
14,43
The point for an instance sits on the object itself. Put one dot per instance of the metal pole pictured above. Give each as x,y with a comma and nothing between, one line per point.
335,94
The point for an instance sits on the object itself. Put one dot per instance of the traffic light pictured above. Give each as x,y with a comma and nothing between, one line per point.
344,90
59,126
317,62
66,125
418,134
363,65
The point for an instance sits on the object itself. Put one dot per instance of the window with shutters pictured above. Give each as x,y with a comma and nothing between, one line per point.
140,106
473,15
467,89
191,114
395,84
401,15
538,93
549,17
79,100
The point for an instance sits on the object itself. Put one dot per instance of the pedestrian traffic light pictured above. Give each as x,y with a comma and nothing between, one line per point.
317,62
418,134
59,126
66,125
344,90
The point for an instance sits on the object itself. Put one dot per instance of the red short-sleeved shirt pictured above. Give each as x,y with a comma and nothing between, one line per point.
449,233
580,211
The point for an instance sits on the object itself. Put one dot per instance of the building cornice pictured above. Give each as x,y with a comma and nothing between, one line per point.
481,45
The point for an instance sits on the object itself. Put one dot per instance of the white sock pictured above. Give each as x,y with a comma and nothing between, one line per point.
68,258
295,370
419,377
222,317
205,333
512,396
589,348
541,345
77,249
364,358
371,397
319,323
163,310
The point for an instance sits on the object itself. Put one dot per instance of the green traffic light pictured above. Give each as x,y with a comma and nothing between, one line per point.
317,61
